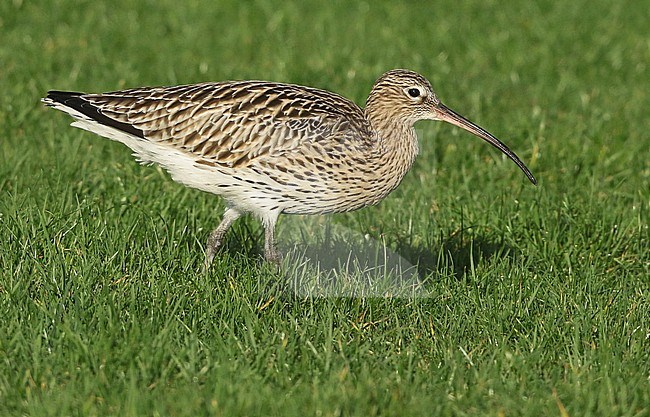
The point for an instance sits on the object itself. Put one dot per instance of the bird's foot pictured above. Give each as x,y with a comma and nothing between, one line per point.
209,257
273,256
210,252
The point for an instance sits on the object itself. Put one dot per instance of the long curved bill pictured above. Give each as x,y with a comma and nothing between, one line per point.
446,114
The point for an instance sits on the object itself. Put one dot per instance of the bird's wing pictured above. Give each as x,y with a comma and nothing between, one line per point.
231,124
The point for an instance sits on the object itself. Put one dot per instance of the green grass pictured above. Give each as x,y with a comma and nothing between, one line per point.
538,297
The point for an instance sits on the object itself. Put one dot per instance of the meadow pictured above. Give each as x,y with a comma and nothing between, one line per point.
535,301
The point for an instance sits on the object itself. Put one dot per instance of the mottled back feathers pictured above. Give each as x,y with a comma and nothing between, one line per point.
231,124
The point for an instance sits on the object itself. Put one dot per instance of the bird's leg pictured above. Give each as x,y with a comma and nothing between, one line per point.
271,254
216,237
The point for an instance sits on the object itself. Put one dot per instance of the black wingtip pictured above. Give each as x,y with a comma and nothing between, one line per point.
61,96
76,101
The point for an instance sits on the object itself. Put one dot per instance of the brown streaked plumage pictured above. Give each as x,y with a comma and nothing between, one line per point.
271,148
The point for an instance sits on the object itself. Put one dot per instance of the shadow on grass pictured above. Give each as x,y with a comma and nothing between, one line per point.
457,254
330,260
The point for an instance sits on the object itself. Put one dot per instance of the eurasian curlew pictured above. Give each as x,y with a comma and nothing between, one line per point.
269,148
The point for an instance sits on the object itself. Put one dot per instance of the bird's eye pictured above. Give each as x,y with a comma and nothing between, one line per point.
413,92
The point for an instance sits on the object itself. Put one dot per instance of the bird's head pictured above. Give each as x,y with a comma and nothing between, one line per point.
405,97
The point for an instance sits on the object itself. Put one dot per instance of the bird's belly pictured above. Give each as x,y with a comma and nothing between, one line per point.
255,190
